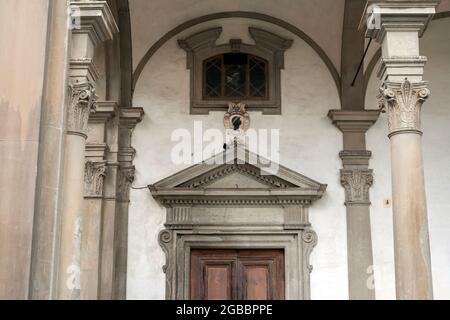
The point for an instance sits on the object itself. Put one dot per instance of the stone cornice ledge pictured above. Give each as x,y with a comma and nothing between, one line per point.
354,120
104,111
131,116
96,19
231,197
397,15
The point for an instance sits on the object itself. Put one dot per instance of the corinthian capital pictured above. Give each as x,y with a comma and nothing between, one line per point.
356,183
81,104
94,176
403,102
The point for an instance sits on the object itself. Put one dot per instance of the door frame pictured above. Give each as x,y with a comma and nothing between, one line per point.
297,246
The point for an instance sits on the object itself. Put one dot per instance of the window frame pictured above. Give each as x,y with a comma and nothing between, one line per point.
202,46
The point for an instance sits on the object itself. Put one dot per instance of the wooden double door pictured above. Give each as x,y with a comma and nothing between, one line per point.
237,275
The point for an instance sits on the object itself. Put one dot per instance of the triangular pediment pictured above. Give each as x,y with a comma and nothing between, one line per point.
236,176
238,173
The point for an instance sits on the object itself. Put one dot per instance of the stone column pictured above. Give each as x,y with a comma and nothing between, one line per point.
95,172
129,118
357,178
93,23
51,152
397,26
25,39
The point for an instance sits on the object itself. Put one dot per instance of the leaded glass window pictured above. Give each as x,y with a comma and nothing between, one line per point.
235,76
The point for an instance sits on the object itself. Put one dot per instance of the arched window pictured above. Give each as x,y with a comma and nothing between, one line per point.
235,76
235,71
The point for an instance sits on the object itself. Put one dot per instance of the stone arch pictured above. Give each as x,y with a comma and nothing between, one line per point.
236,14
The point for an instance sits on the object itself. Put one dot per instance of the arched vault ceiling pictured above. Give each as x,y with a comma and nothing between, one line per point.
321,20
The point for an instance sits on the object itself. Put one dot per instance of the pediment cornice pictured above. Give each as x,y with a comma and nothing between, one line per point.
195,185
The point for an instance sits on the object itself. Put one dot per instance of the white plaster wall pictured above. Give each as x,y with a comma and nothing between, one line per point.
309,144
152,19
436,145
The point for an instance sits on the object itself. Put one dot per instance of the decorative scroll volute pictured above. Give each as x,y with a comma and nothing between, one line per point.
403,102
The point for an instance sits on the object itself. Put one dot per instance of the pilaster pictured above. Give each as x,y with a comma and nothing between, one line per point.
129,118
92,23
356,179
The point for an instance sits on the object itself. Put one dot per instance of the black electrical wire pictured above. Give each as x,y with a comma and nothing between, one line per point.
361,62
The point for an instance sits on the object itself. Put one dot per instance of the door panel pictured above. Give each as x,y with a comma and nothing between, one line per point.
218,280
256,281
237,275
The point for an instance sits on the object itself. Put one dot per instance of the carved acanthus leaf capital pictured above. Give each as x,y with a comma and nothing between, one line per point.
94,176
357,183
403,102
81,104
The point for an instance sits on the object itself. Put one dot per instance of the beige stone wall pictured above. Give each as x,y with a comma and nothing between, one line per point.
23,33
436,151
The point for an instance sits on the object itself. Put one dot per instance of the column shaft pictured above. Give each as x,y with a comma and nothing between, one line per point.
73,207
411,241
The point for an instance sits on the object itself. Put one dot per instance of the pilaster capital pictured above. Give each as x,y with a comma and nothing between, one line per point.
126,177
403,103
81,104
94,18
354,120
94,176
382,16
357,183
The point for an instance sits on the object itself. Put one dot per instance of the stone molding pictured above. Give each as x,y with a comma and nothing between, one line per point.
189,187
402,67
355,158
247,169
354,120
81,105
202,45
104,111
96,152
96,19
393,15
94,176
357,183
403,102
83,69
